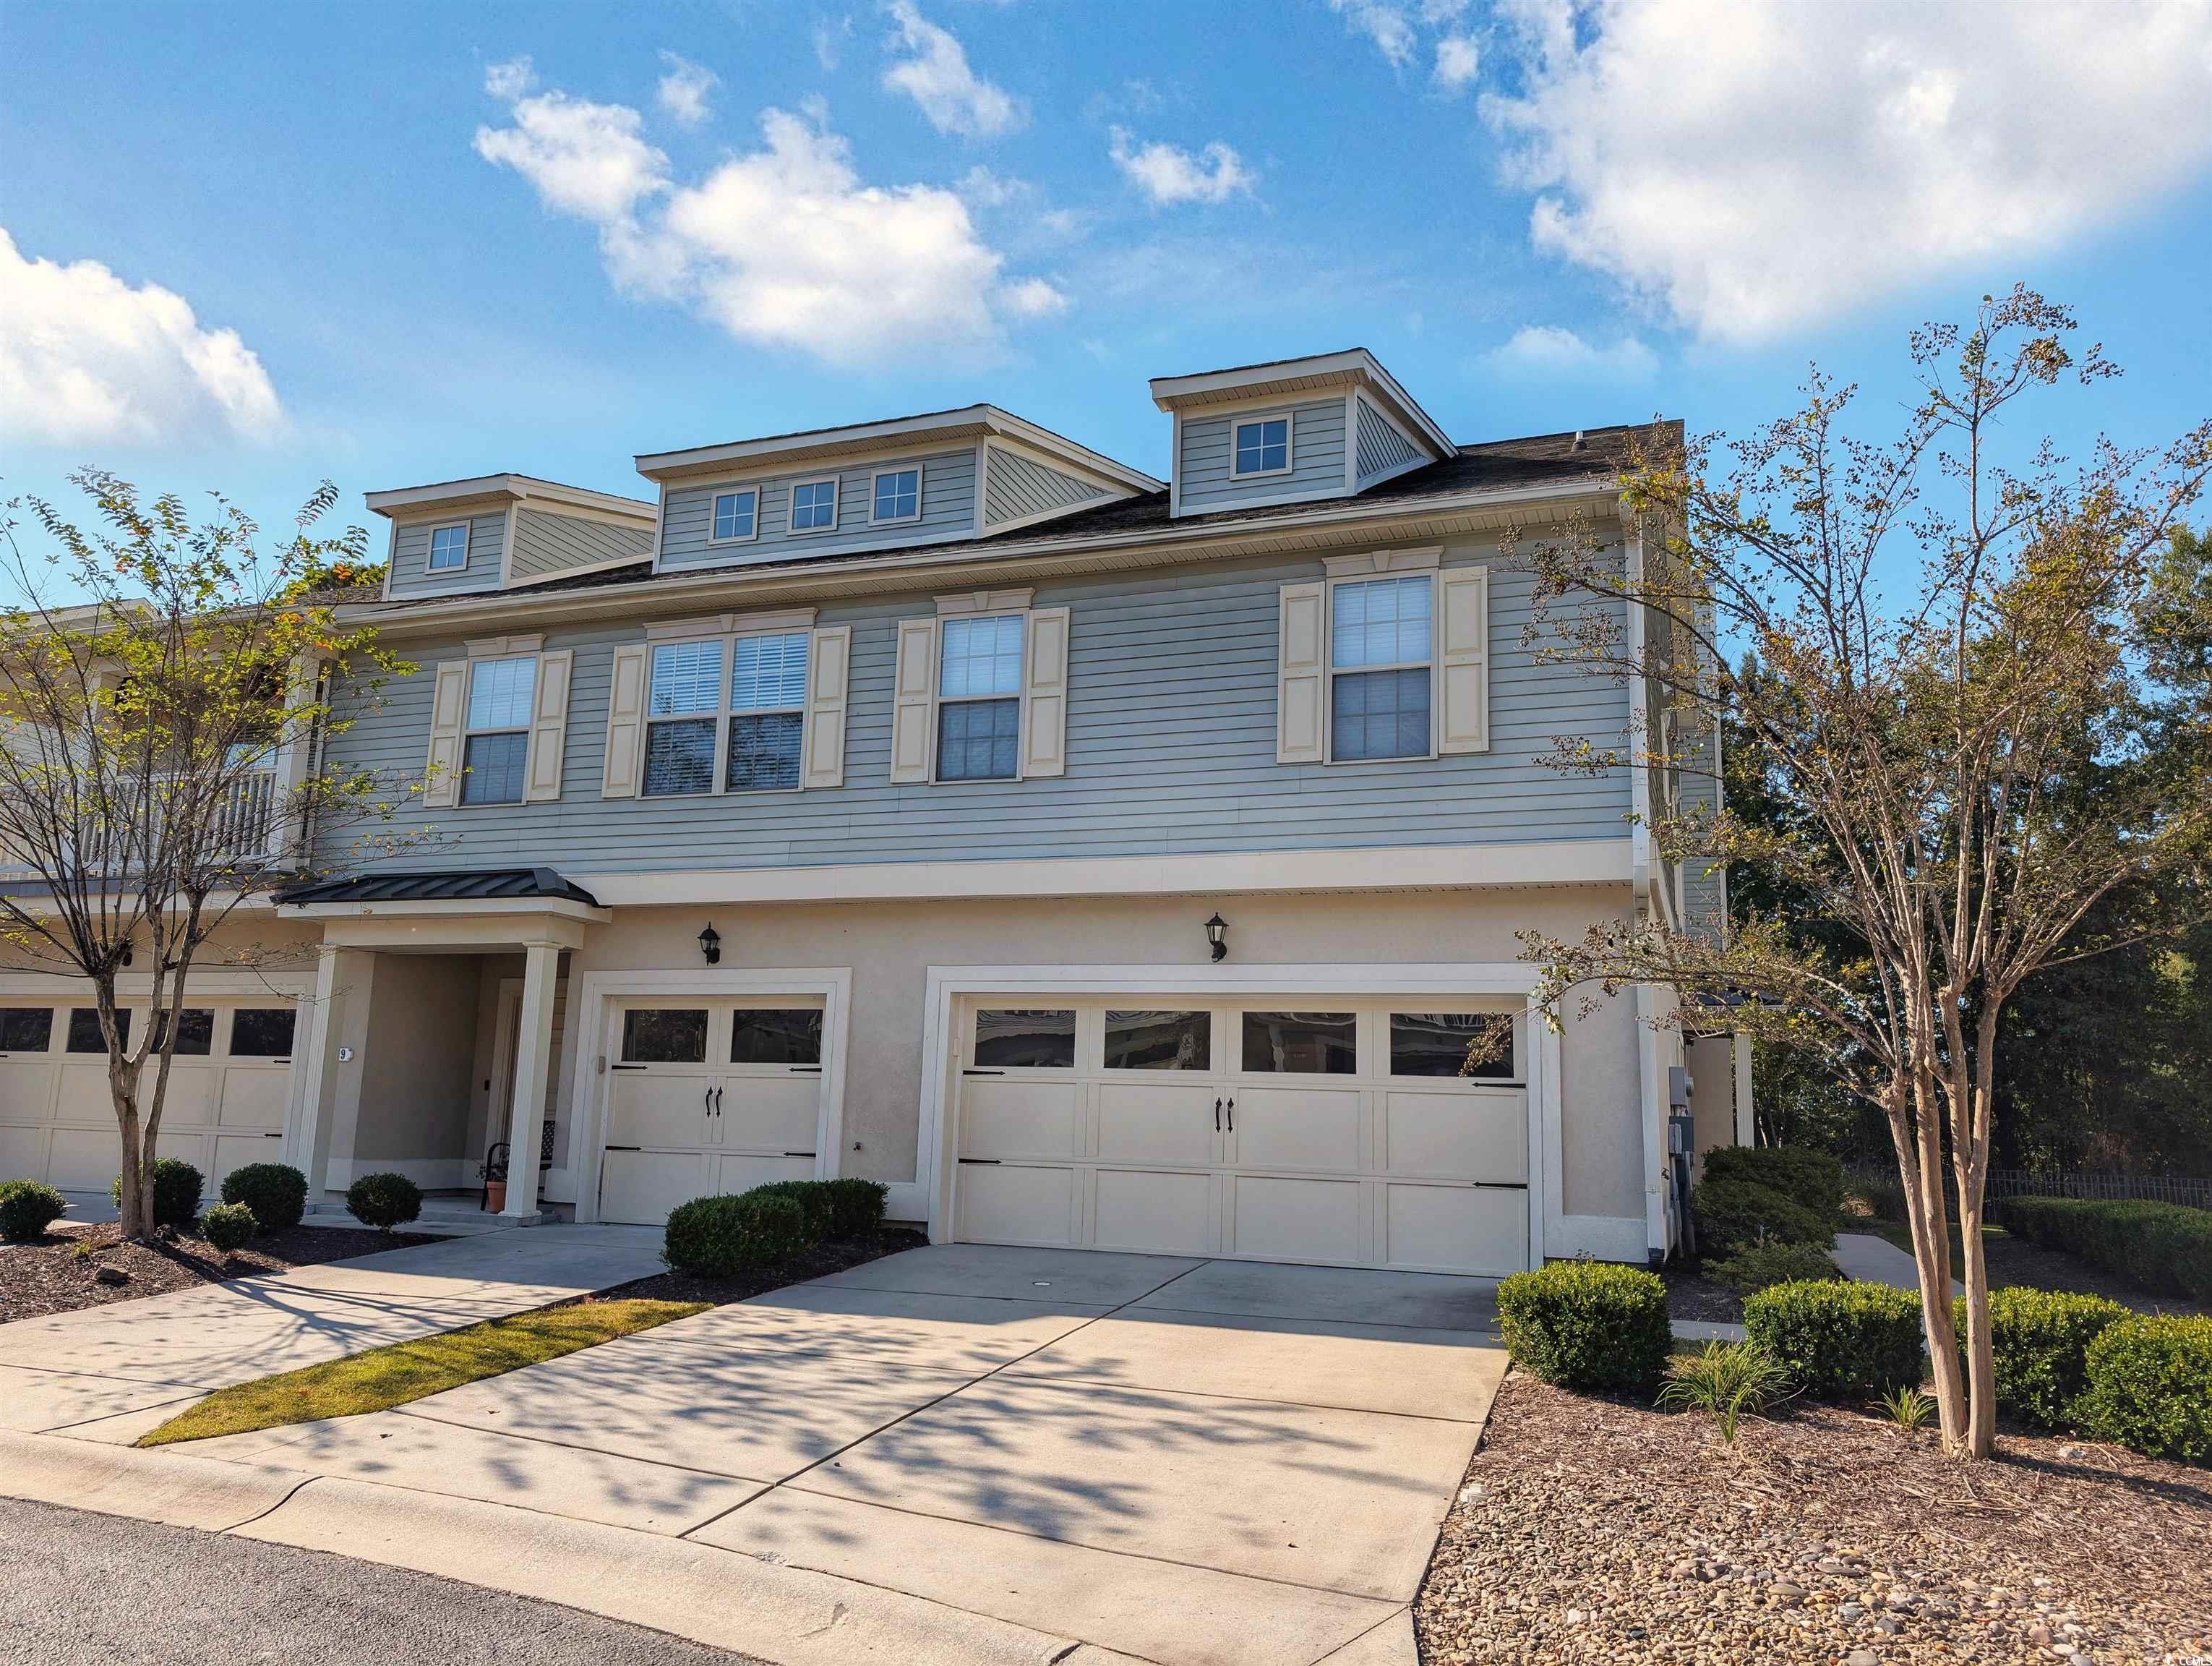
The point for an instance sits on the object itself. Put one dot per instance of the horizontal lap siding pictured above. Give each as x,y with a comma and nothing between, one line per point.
1381,447
1170,749
1203,482
546,543
1016,487
948,509
410,557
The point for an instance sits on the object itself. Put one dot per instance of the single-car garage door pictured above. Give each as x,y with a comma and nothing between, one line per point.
708,1096
228,1082
1351,1132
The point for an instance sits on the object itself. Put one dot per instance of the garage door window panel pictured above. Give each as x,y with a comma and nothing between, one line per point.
26,1029
1301,1044
1009,1038
1159,1040
195,1032
84,1035
777,1036
664,1034
263,1032
1482,1047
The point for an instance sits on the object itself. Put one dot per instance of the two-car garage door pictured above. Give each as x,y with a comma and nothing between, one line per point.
1352,1132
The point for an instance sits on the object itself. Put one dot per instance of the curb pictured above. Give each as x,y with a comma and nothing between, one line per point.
722,1598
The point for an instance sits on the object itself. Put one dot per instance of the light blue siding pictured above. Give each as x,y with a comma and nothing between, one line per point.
1015,488
547,542
410,557
1316,458
1381,448
948,510
1170,749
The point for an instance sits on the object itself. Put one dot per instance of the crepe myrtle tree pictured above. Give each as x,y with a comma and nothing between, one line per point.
1954,667
160,743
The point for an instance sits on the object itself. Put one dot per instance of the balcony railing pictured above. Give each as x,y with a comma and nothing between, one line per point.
245,825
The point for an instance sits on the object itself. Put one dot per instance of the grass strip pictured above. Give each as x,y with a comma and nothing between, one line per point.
391,1376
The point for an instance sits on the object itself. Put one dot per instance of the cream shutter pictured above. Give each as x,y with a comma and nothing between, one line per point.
913,700
828,669
625,759
549,726
1301,674
1463,660
1044,693
449,709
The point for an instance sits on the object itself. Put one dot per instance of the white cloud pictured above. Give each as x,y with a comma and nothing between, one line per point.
829,39
785,246
936,77
85,357
1458,61
1549,350
1751,169
1389,27
1167,174
682,91
510,80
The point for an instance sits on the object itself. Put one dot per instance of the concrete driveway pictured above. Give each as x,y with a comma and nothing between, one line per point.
1186,1461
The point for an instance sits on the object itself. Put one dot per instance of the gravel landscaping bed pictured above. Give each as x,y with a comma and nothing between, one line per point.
1589,1529
59,1272
834,1256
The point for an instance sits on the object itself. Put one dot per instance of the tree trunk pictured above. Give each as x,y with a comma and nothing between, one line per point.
1920,1151
1981,1434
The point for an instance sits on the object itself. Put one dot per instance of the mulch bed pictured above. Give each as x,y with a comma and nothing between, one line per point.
1589,1529
1691,1295
57,1275
820,1261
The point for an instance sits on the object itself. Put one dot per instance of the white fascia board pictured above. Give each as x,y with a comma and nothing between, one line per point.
1356,365
500,488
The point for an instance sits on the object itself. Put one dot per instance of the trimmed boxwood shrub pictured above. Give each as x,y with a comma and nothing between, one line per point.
726,1236
2162,1246
1839,1338
1810,1177
2151,1386
2041,1340
1588,1324
1765,1264
1734,1214
227,1227
28,1207
856,1208
177,1187
383,1200
814,1202
276,1191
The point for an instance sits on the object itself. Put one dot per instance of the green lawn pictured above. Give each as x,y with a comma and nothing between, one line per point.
387,1376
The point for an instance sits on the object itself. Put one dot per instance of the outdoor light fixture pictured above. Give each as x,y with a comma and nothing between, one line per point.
710,944
1216,932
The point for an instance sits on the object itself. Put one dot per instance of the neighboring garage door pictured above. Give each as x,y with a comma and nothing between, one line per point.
224,1107
705,1097
1342,1132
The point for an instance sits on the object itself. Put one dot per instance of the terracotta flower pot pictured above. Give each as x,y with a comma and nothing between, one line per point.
494,1195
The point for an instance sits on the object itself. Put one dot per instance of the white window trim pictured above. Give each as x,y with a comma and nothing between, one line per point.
470,732
430,548
1289,415
875,519
1329,673
835,484
938,700
714,515
800,623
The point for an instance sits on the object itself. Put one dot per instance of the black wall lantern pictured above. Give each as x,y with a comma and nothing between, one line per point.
1216,933
710,944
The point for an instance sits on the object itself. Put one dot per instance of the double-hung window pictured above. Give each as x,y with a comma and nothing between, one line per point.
755,722
814,506
736,516
449,548
978,691
768,712
682,715
1380,667
1263,447
495,755
897,496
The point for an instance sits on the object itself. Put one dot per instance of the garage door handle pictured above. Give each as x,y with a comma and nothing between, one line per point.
798,1153
984,1162
625,1066
806,1070
1217,1115
718,1102
1232,1116
625,1148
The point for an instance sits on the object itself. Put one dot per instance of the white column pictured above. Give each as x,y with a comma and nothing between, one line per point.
533,1059
339,972
1652,1092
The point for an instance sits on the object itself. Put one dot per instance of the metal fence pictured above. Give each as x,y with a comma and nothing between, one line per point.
2108,1185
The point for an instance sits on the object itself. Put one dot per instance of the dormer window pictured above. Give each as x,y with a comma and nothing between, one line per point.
736,516
814,506
449,548
1263,447
898,496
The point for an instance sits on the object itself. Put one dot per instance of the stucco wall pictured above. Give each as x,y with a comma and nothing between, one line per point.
415,1078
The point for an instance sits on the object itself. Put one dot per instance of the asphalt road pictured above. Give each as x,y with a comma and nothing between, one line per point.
81,1587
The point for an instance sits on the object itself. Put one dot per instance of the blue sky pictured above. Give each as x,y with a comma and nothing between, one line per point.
251,246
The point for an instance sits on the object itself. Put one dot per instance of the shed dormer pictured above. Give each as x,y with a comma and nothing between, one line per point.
944,476
1292,431
503,532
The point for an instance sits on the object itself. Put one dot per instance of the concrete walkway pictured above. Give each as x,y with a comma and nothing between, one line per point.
1876,1260
110,1373
1211,1463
